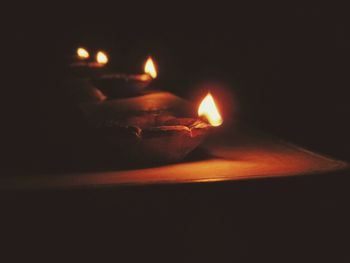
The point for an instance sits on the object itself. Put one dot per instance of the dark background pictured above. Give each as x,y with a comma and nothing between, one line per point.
285,66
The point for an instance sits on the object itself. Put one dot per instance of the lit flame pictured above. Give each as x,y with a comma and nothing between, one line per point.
101,57
208,109
150,68
82,53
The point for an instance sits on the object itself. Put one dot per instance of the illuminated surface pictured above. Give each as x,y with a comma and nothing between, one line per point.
150,68
208,109
242,157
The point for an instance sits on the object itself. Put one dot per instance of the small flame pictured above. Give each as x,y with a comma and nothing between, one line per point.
82,53
150,68
208,109
101,57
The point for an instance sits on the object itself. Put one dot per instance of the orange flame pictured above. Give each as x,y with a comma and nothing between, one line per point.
101,57
150,68
82,53
208,109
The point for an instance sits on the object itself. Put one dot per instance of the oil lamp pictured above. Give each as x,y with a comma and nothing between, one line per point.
85,65
116,85
149,130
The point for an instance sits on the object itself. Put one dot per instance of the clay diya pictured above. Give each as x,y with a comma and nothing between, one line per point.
151,128
154,138
117,85
85,66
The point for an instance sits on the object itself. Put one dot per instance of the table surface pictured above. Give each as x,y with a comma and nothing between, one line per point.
241,156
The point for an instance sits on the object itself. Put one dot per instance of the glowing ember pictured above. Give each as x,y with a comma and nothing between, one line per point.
150,68
83,53
208,109
101,57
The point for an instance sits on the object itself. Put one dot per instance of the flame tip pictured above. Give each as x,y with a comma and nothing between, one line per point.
208,109
101,57
82,53
150,68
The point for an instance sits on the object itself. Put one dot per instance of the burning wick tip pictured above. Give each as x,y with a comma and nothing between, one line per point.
209,111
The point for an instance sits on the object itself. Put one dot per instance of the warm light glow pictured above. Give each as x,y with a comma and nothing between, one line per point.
83,53
208,109
150,68
101,57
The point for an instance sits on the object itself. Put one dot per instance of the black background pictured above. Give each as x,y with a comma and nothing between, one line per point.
286,67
